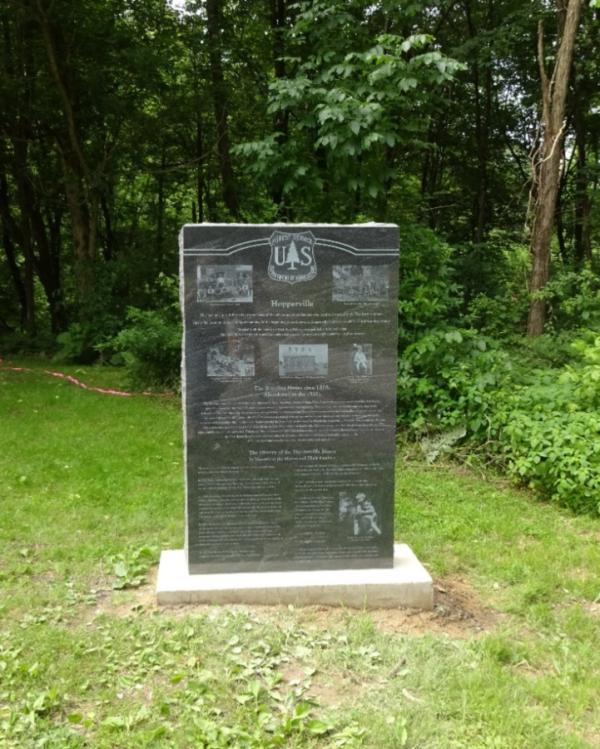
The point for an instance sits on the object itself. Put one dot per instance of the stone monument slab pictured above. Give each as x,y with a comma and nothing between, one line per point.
289,387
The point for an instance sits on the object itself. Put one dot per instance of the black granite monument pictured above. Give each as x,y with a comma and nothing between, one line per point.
289,383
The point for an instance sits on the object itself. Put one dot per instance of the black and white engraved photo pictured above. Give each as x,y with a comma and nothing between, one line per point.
224,283
360,283
361,360
357,514
303,360
230,359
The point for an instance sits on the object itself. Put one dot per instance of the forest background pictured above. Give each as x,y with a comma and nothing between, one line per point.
473,124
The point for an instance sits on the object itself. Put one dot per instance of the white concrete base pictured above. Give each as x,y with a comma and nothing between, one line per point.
407,583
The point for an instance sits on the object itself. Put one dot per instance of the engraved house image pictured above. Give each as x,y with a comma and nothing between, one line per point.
303,360
360,283
230,359
224,283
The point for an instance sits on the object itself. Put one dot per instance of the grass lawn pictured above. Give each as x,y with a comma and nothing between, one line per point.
91,489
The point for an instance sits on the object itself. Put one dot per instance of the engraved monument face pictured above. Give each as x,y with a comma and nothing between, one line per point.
289,383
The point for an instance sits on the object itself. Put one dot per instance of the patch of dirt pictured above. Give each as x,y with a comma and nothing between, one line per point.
581,574
592,737
458,611
337,690
326,689
125,603
592,535
593,608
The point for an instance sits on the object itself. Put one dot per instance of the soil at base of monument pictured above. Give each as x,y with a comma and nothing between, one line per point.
459,611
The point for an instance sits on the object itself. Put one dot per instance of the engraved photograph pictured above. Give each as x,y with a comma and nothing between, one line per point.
303,360
224,284
361,360
357,514
230,359
360,283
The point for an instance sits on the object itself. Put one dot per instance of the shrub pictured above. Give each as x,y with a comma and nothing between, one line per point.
556,453
428,294
96,319
542,422
573,300
82,341
549,428
449,378
150,344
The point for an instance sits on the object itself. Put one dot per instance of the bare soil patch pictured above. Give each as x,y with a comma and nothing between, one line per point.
126,602
593,608
459,611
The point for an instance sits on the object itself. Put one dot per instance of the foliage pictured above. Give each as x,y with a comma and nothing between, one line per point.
353,99
449,378
555,453
550,429
573,300
494,276
543,423
421,113
429,293
130,570
150,342
151,347
96,321
81,341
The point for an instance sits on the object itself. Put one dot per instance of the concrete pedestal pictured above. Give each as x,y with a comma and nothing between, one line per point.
407,583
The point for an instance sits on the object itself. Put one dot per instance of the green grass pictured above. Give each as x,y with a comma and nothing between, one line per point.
89,481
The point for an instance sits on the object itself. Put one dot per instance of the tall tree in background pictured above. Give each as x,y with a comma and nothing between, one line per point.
481,69
548,157
586,76
278,17
214,31
81,181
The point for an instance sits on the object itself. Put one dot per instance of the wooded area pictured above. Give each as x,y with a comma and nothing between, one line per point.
122,120
473,124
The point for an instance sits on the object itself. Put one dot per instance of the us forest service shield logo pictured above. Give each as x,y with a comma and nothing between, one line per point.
292,257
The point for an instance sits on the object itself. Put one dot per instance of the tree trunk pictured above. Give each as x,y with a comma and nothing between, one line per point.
547,166
583,206
83,197
109,235
58,317
483,107
35,235
560,224
160,210
9,239
278,13
25,200
219,92
83,241
199,167
432,171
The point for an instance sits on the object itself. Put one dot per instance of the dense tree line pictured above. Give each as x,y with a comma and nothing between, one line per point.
123,119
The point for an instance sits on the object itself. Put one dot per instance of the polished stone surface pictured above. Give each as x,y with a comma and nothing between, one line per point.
289,372
407,583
